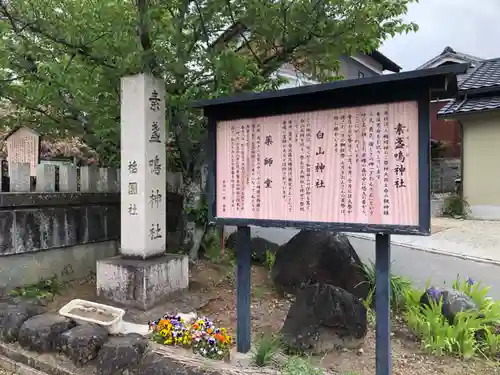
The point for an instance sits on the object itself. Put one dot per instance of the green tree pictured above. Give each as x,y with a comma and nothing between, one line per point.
62,59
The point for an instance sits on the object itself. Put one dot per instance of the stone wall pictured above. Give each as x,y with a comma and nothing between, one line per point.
443,175
64,221
59,223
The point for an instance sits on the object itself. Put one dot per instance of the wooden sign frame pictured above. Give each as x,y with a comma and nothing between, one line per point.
416,86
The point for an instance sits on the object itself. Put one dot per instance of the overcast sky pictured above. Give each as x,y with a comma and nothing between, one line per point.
468,26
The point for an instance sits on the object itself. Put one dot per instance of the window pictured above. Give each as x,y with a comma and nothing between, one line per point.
361,74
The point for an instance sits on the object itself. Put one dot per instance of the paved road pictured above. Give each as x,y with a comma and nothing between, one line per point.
417,265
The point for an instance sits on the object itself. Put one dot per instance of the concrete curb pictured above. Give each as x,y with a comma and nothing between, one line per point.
18,368
16,359
433,251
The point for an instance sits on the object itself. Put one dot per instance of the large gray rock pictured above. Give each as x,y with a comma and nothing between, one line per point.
82,343
454,301
260,247
319,257
324,317
12,317
120,352
41,333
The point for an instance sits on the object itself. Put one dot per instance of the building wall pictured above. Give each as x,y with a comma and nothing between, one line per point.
481,158
447,131
357,66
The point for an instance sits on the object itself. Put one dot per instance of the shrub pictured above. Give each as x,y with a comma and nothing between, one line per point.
265,349
471,333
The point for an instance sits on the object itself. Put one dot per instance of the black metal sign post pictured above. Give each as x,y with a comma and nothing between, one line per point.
417,87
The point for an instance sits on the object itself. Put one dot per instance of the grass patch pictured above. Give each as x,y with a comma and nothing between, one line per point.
266,349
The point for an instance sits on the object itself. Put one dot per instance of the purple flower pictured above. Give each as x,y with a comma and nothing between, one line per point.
470,281
211,341
434,294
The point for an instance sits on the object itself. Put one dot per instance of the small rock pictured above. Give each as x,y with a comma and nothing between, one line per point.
454,301
41,333
12,317
360,351
120,352
82,343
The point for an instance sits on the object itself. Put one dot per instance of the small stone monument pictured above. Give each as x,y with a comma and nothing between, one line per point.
144,274
23,146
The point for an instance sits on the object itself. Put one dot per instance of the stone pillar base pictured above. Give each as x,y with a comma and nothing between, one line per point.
142,284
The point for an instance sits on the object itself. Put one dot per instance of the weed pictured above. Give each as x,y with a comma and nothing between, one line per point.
370,314
399,286
265,350
44,289
259,291
456,206
270,259
300,366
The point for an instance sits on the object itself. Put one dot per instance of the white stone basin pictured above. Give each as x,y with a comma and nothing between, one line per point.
81,311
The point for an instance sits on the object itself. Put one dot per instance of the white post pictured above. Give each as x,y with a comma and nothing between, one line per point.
143,167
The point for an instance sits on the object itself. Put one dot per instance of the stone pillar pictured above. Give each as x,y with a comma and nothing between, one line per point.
67,179
20,175
45,178
143,274
89,176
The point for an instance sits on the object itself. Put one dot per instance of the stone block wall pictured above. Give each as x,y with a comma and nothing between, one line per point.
59,223
64,221
443,174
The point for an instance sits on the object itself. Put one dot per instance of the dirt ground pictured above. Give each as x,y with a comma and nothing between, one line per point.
212,293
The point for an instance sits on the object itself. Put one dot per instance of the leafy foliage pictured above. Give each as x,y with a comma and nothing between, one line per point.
399,286
62,60
472,332
43,289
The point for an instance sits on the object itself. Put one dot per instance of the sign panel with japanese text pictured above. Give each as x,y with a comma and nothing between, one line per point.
355,165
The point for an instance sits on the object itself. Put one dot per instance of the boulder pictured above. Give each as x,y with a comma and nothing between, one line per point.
260,246
454,301
324,317
82,343
319,257
121,352
12,317
41,333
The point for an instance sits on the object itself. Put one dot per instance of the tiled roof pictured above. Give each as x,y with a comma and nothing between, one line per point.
485,76
470,105
450,53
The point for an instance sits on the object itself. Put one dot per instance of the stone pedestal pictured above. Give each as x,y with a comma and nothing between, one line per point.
139,283
143,275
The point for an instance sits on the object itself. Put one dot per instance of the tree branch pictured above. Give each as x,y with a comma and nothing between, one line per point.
18,26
